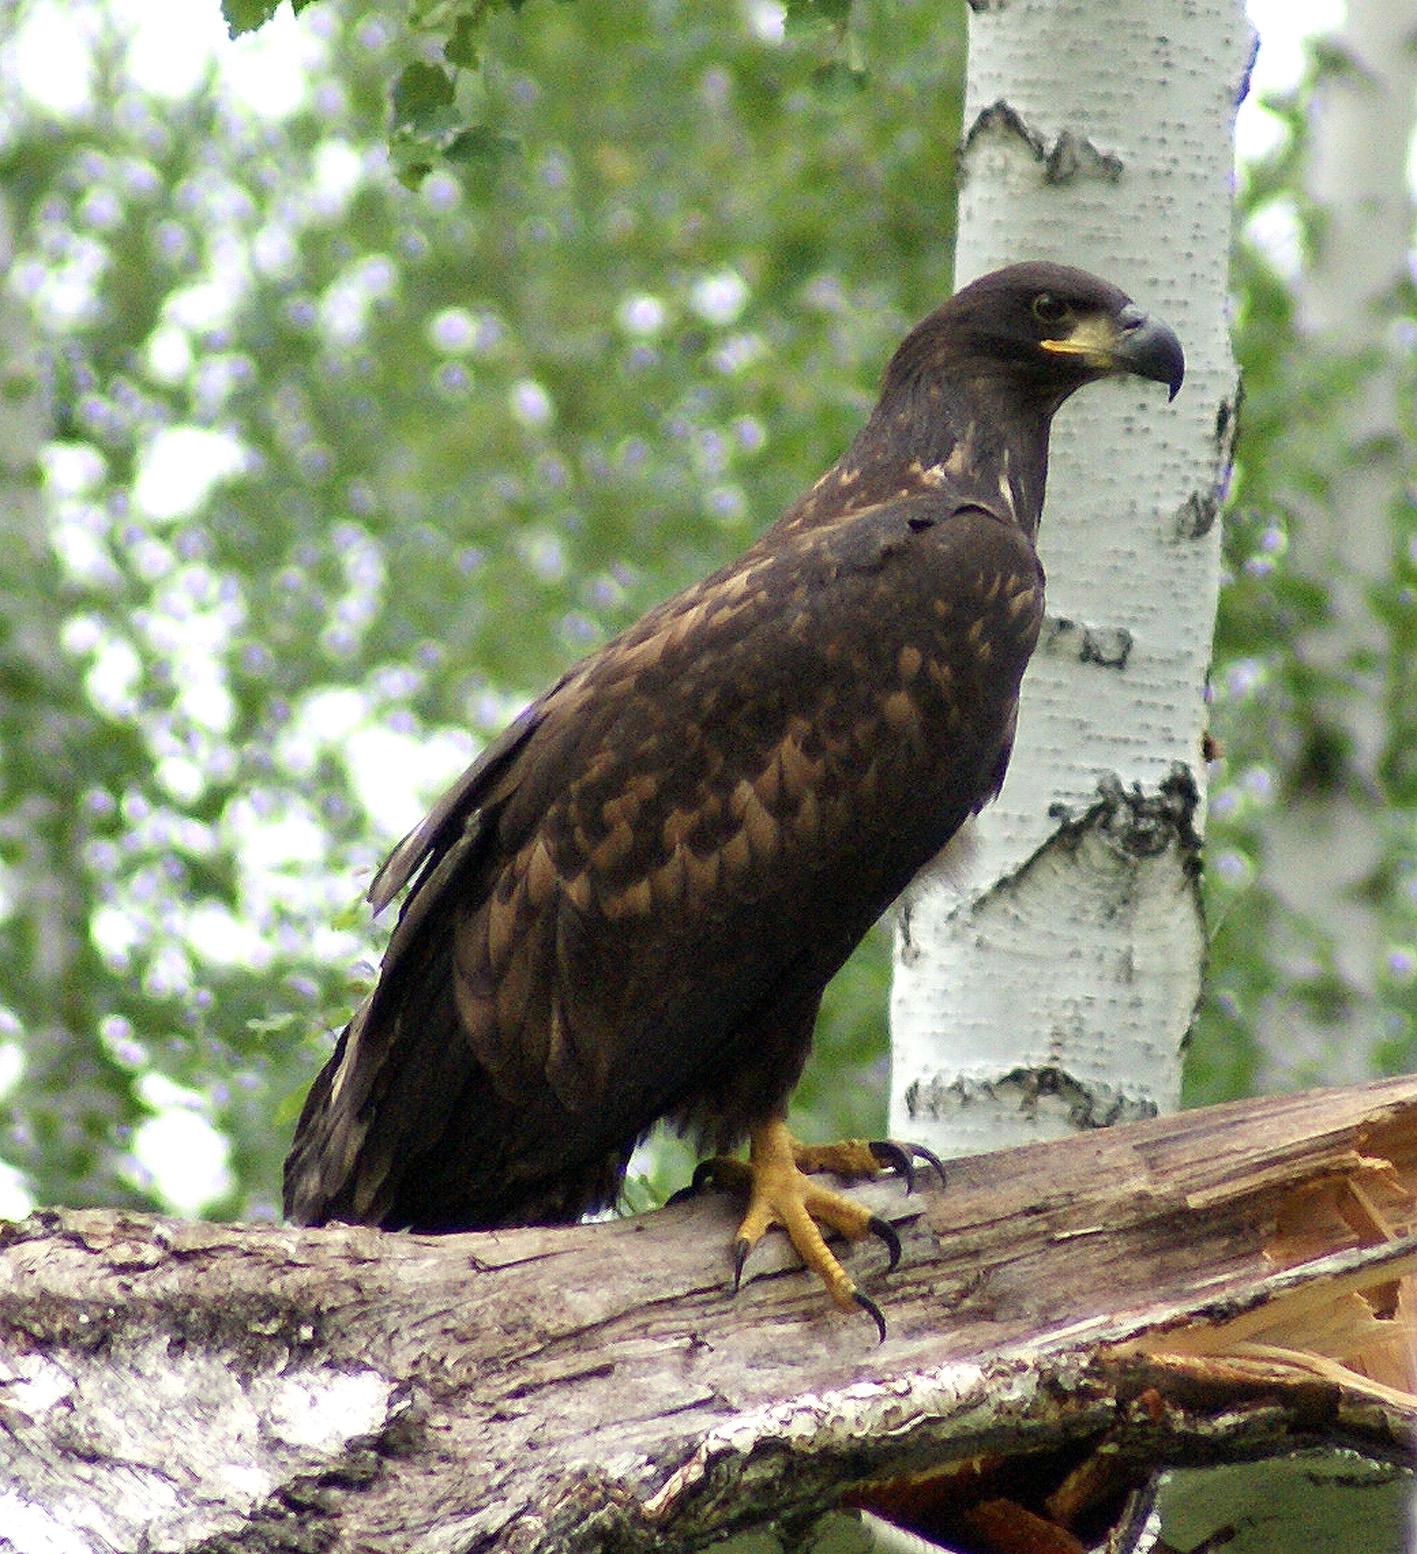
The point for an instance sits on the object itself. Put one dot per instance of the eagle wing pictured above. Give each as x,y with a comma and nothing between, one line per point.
628,906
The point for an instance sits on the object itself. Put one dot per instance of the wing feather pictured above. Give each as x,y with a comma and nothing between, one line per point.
680,841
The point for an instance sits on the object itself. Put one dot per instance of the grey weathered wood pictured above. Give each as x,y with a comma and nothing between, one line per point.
163,1382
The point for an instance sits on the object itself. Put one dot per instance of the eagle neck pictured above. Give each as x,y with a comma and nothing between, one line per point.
991,446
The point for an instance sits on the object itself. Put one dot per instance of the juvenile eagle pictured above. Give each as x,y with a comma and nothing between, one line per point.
629,905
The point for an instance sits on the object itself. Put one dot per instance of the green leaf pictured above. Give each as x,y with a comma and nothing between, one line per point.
480,145
803,15
247,15
411,157
420,94
461,47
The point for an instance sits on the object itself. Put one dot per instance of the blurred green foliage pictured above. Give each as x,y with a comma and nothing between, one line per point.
1285,716
342,472
443,111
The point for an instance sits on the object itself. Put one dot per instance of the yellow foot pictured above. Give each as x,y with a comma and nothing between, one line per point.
867,1157
781,1193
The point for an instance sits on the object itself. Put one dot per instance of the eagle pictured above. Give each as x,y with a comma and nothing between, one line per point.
627,908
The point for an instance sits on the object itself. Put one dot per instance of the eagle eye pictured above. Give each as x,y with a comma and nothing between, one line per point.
1049,309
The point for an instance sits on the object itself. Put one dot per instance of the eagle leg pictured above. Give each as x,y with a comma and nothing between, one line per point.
781,1193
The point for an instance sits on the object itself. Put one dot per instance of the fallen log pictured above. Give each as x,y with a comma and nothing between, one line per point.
1067,1318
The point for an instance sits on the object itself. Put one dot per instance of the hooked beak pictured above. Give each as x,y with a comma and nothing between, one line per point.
1131,342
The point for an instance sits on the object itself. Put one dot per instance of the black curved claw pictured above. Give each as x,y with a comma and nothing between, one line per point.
883,1230
895,1156
932,1160
903,1157
741,1247
873,1311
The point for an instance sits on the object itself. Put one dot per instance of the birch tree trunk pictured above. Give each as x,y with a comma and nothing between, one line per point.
1328,841
1054,988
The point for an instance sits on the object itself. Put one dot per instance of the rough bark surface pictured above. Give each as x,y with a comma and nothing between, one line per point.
1099,135
1203,1287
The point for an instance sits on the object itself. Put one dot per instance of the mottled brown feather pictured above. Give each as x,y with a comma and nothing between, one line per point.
629,905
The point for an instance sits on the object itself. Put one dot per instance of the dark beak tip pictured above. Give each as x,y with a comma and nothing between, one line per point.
1153,351
1177,375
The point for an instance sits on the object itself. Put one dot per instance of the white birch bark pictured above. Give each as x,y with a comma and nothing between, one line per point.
1055,986
1320,849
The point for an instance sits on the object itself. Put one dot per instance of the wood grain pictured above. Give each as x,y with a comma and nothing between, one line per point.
1217,1282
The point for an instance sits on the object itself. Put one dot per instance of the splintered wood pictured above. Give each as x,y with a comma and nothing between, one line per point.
1316,1322
1353,1325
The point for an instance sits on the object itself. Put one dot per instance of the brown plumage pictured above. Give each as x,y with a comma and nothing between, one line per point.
629,906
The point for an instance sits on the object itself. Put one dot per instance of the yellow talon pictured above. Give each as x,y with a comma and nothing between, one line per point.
845,1157
780,1193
